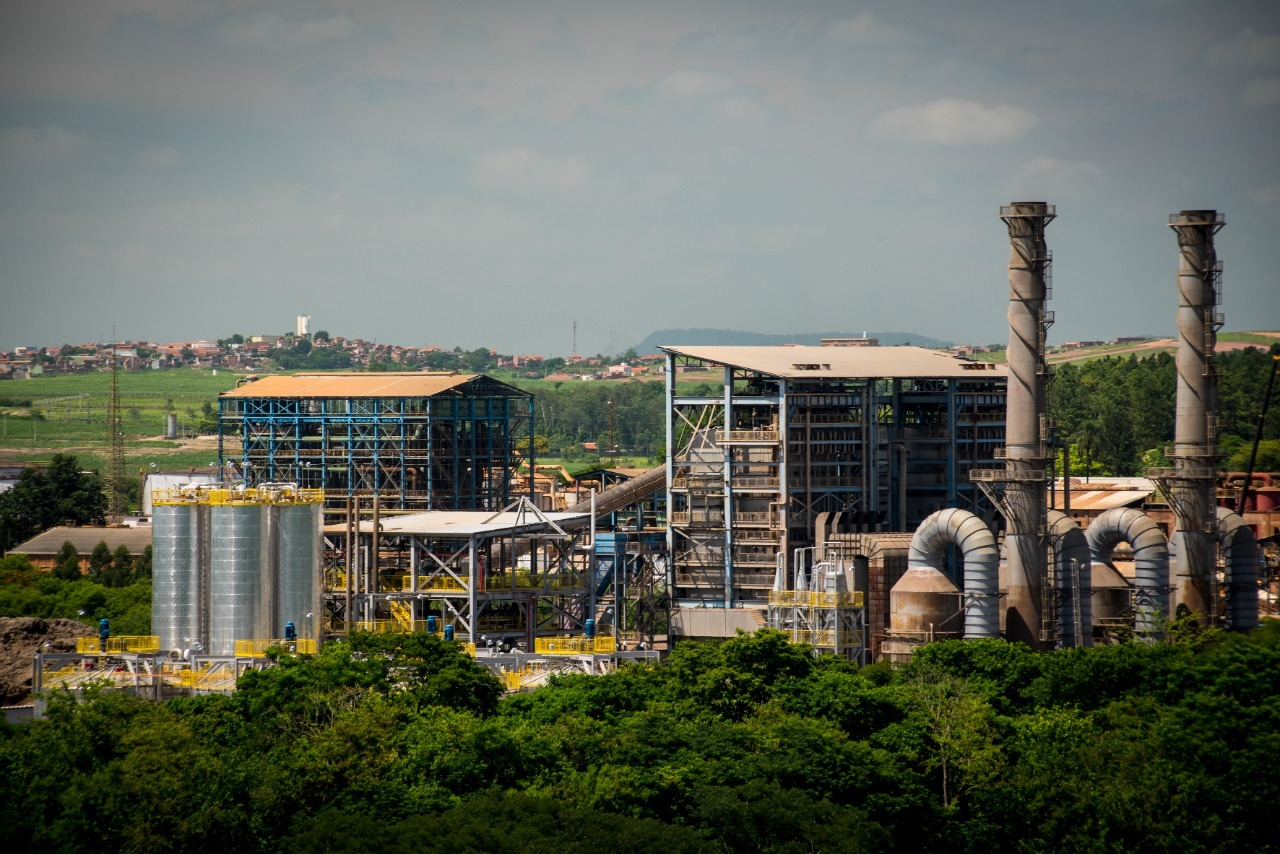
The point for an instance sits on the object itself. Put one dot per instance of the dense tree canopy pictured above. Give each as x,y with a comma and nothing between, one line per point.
749,745
57,495
1118,409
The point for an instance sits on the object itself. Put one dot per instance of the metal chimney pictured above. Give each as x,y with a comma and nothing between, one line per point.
1026,542
1191,489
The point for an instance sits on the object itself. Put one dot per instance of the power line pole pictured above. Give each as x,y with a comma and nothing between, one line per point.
115,443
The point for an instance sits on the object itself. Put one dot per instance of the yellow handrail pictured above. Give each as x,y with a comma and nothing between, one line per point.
569,645
255,648
119,644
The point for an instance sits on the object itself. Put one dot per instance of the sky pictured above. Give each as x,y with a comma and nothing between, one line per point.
489,173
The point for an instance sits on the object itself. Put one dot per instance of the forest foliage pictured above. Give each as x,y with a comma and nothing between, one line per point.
402,743
1120,411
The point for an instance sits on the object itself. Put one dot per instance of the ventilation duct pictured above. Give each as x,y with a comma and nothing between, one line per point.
1075,580
981,564
1240,556
1150,556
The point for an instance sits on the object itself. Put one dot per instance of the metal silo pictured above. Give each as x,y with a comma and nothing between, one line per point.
175,576
237,557
297,565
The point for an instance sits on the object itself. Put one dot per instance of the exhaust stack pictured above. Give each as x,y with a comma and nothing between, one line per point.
1195,443
1026,543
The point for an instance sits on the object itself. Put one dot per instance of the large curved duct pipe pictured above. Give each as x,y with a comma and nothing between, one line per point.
1026,548
1150,556
1194,440
977,544
1075,580
1240,554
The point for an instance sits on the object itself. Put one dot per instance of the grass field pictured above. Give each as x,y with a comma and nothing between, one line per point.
68,414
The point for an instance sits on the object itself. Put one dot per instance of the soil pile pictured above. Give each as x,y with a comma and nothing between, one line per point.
20,639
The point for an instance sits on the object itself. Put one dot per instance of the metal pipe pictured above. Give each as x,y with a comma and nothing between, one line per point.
1194,440
1026,547
1240,556
1075,582
1150,556
977,544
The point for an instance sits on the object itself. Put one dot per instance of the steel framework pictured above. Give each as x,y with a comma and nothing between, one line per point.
751,470
454,449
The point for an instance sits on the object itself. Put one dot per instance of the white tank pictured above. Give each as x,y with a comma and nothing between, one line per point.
297,570
238,556
175,575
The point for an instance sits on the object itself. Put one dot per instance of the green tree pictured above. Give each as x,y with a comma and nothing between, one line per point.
61,494
961,727
100,563
67,563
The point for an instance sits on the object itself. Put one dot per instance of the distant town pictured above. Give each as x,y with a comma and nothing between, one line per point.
320,351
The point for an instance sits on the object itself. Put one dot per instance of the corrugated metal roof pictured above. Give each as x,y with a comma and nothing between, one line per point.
464,523
84,539
1096,499
829,362
352,385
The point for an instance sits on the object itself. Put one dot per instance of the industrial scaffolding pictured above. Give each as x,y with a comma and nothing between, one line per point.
511,578
417,441
883,435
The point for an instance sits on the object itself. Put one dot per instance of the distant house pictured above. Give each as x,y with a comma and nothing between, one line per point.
42,549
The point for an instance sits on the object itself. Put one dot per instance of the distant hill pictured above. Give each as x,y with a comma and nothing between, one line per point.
733,337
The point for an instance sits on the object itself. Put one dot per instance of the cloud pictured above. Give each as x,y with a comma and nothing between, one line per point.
525,169
269,31
562,41
865,29
952,120
1267,195
741,110
158,158
1047,176
1246,49
1261,92
31,144
692,83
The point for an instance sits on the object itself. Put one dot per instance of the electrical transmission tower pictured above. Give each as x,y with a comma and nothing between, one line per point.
115,445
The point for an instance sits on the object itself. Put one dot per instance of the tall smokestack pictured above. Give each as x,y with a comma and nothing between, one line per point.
1026,541
1195,442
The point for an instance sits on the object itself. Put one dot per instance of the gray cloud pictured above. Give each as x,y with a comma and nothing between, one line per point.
953,120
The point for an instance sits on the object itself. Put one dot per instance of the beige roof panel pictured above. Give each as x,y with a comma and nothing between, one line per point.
84,539
834,362
351,385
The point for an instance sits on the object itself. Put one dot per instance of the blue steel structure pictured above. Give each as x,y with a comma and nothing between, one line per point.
421,442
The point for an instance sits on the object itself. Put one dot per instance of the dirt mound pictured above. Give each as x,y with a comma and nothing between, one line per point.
20,639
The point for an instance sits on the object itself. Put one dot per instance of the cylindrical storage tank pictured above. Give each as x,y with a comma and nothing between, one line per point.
171,426
175,575
925,605
1265,500
237,552
297,568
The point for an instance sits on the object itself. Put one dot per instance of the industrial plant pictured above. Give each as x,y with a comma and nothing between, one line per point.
862,499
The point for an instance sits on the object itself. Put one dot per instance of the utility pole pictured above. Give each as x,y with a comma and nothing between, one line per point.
115,443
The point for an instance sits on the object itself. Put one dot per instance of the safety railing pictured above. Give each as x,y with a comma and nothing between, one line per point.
731,436
256,648
118,645
568,645
828,637
816,599
433,582
218,680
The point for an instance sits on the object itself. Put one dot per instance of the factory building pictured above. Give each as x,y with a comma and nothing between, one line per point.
418,441
758,470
